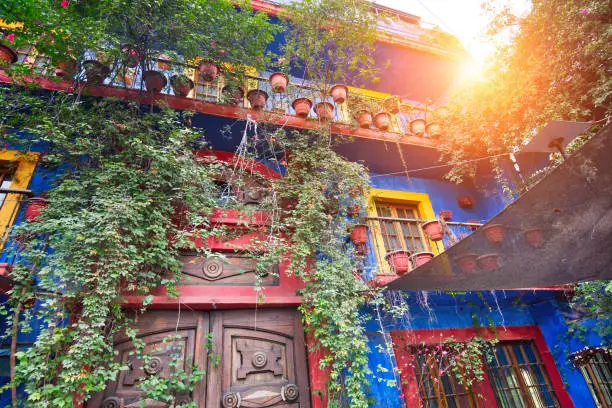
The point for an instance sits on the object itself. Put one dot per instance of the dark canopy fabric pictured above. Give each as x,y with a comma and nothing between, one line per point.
558,232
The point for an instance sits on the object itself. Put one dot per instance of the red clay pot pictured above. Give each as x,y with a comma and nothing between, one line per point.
338,93
465,201
95,72
467,262
154,81
392,104
433,129
235,95
534,237
494,233
364,118
359,234
257,98
433,229
279,82
8,56
35,206
421,258
208,71
399,261
417,127
302,107
181,85
488,262
446,215
325,111
382,120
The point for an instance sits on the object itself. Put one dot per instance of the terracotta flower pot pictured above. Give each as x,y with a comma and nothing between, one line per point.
421,258
338,93
399,261
181,85
465,201
279,82
208,71
359,234
489,262
467,262
446,215
494,233
257,98
417,127
363,118
302,107
433,229
325,111
95,72
234,94
534,237
65,69
131,56
392,104
382,120
8,56
433,129
154,81
35,206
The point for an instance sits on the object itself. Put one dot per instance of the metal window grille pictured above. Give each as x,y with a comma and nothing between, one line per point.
598,374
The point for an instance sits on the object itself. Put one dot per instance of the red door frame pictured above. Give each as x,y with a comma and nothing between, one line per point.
410,389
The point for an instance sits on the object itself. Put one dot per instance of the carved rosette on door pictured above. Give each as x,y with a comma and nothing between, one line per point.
233,269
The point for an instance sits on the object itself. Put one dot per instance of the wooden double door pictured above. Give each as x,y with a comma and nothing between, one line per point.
252,359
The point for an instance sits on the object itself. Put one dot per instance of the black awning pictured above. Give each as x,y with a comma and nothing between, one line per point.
558,232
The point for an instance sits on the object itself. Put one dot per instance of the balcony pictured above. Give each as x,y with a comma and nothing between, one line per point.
405,124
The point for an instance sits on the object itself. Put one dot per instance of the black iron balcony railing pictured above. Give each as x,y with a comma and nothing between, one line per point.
402,114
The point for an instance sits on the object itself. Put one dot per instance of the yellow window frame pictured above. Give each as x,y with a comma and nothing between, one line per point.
395,197
25,166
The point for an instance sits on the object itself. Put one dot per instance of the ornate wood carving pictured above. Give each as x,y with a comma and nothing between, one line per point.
255,360
234,270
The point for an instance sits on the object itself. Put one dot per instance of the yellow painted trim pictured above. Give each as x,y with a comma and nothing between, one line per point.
26,164
368,92
10,26
424,208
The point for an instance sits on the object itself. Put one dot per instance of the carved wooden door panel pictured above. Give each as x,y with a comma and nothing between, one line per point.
167,336
262,360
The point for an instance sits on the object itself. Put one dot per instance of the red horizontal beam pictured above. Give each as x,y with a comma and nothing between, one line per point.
232,112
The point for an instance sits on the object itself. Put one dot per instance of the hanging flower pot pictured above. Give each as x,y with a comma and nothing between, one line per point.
8,56
208,71
95,72
433,129
494,233
465,201
131,56
302,107
433,229
534,237
338,93
392,104
181,85
421,258
446,215
489,262
234,95
154,81
363,118
257,98
417,127
467,262
382,120
359,234
35,205
65,69
399,261
279,82
325,111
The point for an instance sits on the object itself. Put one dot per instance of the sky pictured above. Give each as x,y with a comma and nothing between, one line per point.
462,18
